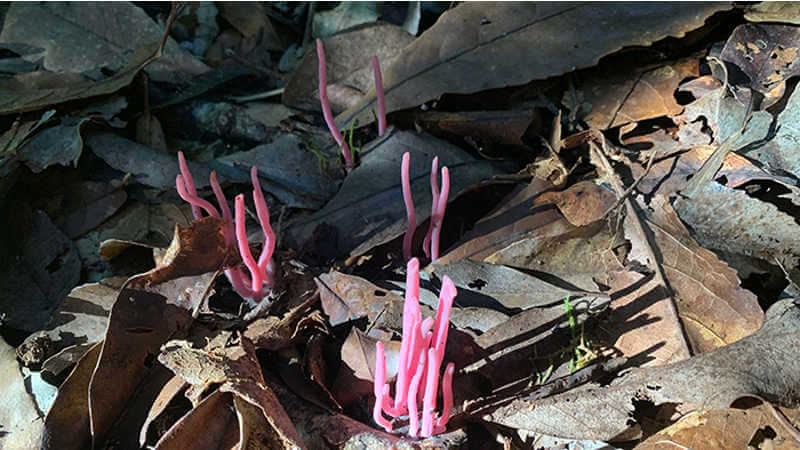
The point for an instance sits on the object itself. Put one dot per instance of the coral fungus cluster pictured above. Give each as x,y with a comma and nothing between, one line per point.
421,354
258,284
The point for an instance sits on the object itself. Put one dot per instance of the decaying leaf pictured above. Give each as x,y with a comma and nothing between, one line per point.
515,217
231,360
81,38
343,16
767,53
148,167
641,325
618,98
174,387
495,127
345,298
349,71
782,12
471,34
497,286
251,19
750,227
210,425
582,203
286,170
273,333
358,366
723,429
18,97
755,365
714,308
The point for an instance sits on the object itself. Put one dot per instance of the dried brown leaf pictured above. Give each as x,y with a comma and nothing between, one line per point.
757,364
349,71
767,53
212,425
582,203
722,429
67,424
473,34
142,319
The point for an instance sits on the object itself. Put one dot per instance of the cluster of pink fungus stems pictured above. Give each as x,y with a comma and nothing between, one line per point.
326,107
431,243
258,284
421,353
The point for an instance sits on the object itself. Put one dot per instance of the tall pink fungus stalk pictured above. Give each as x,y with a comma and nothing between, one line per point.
326,108
405,183
438,206
421,354
258,284
376,69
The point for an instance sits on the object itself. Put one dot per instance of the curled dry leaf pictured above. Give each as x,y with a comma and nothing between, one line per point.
211,425
174,387
197,249
144,316
272,333
67,423
358,366
231,360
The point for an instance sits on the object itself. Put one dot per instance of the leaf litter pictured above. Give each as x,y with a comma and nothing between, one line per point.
619,226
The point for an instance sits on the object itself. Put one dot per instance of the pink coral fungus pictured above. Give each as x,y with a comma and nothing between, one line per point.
322,76
438,206
258,284
421,353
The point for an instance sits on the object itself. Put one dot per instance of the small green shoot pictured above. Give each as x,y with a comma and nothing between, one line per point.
581,352
350,133
322,160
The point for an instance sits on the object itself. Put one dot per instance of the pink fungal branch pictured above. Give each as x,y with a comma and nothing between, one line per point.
326,107
258,283
421,354
438,206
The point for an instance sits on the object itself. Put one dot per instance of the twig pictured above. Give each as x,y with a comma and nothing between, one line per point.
259,96
638,228
580,376
630,188
711,166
